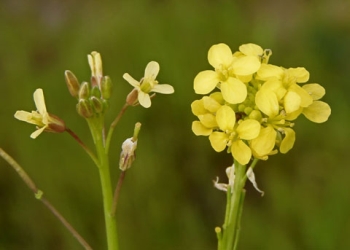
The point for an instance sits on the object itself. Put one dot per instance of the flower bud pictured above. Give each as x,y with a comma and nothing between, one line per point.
84,108
84,91
127,155
105,104
96,104
72,83
131,99
95,91
106,87
95,63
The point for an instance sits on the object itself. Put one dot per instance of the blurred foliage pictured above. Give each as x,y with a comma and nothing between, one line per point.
168,200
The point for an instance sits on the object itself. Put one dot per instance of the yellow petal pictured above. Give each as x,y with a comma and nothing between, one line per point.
267,71
36,133
276,86
288,141
246,65
265,142
251,49
218,141
220,55
40,101
316,91
24,116
317,112
248,129
152,70
233,90
245,79
205,82
199,129
267,102
294,115
210,104
131,80
198,107
208,120
217,96
226,118
305,97
163,89
300,74
241,152
144,99
291,102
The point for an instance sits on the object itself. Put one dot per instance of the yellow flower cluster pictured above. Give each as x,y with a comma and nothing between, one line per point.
254,103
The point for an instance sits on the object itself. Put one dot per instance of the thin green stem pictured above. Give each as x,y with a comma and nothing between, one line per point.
117,192
96,126
38,194
87,150
113,125
238,227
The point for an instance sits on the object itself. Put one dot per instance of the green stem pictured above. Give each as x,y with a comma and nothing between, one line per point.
96,126
117,192
235,201
238,228
87,150
38,194
112,127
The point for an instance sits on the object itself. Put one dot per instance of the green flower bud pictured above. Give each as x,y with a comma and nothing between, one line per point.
241,108
105,104
256,115
96,104
84,91
106,87
72,83
84,108
248,110
95,91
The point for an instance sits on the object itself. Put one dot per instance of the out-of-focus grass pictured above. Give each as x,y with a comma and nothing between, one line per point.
167,201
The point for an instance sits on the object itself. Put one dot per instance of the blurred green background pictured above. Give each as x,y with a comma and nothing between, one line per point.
168,200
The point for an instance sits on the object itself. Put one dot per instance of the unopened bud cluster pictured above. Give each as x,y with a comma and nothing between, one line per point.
92,97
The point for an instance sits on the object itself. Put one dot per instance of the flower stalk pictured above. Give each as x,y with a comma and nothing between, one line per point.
96,126
234,206
39,195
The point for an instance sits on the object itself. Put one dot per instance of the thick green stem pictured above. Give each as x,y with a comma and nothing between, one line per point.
111,225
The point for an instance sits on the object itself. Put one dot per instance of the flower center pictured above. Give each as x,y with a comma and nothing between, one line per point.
147,85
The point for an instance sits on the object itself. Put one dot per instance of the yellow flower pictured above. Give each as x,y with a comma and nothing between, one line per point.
205,110
148,84
221,58
318,111
232,135
283,82
40,118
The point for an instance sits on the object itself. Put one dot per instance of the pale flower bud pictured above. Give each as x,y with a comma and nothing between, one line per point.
127,155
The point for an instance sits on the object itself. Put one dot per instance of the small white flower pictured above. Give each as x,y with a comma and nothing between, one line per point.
148,84
41,118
